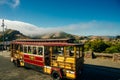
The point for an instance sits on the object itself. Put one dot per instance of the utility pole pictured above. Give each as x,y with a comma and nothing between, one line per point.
3,33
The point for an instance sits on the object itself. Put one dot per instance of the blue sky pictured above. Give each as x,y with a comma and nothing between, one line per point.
81,17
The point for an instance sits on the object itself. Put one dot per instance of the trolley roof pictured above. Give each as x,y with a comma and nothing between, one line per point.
46,42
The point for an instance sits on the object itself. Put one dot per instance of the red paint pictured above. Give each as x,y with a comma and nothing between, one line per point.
40,63
26,60
37,60
45,43
26,56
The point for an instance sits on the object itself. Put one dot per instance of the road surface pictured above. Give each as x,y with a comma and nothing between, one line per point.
91,72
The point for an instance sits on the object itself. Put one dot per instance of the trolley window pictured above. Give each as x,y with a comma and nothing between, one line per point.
29,49
40,50
34,50
25,49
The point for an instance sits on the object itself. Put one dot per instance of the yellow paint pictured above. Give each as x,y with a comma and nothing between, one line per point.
70,63
61,64
70,75
21,53
44,69
54,63
21,63
47,70
17,51
60,59
70,60
32,57
68,66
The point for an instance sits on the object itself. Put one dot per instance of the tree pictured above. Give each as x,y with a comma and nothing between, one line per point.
118,37
87,46
99,46
114,48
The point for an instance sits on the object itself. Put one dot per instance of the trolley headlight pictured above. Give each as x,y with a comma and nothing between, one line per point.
72,72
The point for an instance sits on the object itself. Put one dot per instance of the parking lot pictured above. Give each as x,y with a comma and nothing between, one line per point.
93,70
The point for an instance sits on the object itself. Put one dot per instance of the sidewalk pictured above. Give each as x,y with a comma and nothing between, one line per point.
102,62
5,53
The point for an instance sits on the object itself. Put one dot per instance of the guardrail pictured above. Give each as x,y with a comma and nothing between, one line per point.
114,56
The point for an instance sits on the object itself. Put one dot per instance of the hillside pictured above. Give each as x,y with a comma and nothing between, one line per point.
56,35
10,34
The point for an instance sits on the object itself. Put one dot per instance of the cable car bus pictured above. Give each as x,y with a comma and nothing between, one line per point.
61,58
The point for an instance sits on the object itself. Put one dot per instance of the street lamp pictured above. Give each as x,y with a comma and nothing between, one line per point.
3,32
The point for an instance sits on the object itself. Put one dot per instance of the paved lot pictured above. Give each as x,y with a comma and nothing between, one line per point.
9,72
93,70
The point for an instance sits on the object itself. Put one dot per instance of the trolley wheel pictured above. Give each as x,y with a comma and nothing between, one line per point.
55,75
16,63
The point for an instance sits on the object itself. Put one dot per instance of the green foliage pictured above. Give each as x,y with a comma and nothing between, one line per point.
102,46
115,48
76,41
118,37
87,46
98,46
112,49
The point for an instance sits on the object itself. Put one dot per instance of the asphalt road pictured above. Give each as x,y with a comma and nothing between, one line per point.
91,72
10,72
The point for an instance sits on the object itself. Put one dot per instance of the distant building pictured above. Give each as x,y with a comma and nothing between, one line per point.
5,45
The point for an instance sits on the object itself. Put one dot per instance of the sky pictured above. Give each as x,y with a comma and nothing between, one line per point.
80,17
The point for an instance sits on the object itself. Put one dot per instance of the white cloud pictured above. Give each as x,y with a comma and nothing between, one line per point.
82,28
93,28
11,3
26,28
